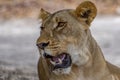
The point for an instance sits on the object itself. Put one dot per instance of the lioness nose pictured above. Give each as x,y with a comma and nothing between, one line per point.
42,45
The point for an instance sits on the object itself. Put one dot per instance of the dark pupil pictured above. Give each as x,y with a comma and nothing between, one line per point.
60,24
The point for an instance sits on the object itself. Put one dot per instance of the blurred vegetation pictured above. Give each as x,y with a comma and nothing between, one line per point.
31,8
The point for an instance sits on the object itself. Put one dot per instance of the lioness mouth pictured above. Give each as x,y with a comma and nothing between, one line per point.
62,60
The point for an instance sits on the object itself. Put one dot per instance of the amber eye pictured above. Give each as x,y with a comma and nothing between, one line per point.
61,25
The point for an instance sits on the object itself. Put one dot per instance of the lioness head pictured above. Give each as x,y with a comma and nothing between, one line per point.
64,37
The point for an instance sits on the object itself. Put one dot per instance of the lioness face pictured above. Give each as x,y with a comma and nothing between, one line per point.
64,35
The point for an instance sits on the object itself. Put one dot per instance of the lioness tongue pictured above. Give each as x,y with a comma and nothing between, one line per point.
57,59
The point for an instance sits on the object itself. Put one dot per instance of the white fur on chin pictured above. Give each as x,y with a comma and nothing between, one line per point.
62,71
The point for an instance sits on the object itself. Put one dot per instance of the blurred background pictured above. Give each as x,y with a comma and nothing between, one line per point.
19,29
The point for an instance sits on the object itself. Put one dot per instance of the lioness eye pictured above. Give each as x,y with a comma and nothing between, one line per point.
61,25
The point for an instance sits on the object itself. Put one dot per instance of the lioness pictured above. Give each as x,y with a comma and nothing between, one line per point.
68,50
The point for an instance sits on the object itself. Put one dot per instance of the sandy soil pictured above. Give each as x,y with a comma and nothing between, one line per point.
19,54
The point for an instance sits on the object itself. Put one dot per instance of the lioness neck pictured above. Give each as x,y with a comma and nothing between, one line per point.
98,64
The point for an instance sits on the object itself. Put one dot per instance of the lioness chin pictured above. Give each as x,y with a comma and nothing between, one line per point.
68,50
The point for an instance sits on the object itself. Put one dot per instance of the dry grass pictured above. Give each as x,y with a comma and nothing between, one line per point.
30,8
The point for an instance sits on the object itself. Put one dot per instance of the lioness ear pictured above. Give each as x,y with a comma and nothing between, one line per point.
86,11
43,14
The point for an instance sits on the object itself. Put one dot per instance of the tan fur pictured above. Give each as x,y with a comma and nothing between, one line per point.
74,37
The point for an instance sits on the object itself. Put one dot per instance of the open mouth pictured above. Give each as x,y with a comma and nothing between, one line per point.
62,60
